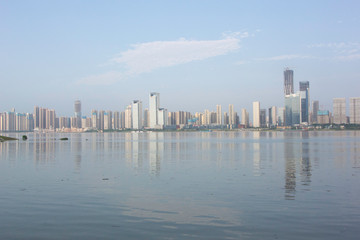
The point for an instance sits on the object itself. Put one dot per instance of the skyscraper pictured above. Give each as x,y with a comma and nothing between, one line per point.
292,109
218,115
154,104
355,110
94,119
137,114
162,117
244,117
272,116
288,81
315,109
304,98
77,110
339,110
232,118
256,114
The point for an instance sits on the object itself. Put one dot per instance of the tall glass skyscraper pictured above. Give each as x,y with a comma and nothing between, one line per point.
77,110
288,81
154,105
304,95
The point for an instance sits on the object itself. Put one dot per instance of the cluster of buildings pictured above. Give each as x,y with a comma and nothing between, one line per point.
296,112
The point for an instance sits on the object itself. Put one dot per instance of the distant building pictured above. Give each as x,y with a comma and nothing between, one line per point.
137,114
272,116
355,110
94,119
154,105
162,117
244,117
263,118
292,109
218,115
256,114
77,110
339,110
315,109
323,117
280,116
288,81
304,98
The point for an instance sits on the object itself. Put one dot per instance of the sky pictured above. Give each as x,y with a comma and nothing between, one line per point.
196,54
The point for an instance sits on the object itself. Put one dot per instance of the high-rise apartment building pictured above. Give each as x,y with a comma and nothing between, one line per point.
218,115
154,105
315,109
137,114
292,109
339,110
94,119
162,117
288,81
272,116
304,98
256,114
77,110
244,117
263,118
128,120
355,110
232,117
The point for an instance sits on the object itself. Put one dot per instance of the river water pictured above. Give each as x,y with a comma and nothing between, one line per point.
181,185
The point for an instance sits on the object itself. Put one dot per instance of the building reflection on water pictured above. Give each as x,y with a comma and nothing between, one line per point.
297,156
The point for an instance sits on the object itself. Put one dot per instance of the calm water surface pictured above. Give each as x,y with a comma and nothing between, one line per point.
197,185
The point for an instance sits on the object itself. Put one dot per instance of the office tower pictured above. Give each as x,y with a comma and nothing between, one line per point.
137,114
280,116
154,104
116,120
244,117
256,114
101,119
36,117
339,110
77,110
73,122
304,98
323,117
262,118
50,119
355,110
288,81
42,118
29,122
231,114
272,116
162,117
94,119
107,120
84,122
63,122
218,115
146,118
226,118
122,120
315,109
292,109
128,121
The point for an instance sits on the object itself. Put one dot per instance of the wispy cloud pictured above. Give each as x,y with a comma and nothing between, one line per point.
103,79
339,48
285,57
149,56
146,57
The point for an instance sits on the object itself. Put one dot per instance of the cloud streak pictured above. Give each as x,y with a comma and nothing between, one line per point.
285,57
150,56
146,57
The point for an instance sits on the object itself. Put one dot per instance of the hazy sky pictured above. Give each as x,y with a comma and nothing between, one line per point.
196,54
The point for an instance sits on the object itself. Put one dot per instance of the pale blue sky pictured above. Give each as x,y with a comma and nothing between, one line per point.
195,53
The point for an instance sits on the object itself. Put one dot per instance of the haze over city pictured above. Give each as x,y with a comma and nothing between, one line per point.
197,54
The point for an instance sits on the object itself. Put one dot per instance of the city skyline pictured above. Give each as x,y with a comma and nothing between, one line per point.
220,53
